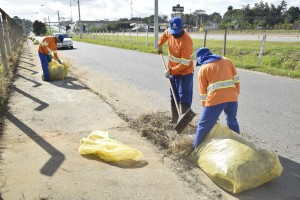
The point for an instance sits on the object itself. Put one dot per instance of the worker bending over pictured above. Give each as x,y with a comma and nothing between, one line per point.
219,88
46,48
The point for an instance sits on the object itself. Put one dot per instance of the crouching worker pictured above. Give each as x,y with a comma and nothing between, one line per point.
219,88
46,48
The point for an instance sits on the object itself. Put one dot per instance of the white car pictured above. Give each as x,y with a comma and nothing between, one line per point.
68,42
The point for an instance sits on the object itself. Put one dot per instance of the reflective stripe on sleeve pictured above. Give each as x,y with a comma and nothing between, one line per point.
203,97
49,50
236,79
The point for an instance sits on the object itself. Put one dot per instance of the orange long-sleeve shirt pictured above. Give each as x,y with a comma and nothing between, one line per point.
49,45
218,82
180,53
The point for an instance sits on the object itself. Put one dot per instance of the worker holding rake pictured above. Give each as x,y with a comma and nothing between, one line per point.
180,69
219,88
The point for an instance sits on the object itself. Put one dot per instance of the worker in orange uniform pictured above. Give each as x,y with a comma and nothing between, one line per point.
180,65
46,48
219,88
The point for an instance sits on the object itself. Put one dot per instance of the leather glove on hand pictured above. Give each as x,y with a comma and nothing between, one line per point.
50,57
167,73
159,50
59,61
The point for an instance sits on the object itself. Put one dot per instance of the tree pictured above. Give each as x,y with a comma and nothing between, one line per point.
294,14
27,26
39,28
215,18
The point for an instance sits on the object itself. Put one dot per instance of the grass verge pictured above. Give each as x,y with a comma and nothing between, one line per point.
279,58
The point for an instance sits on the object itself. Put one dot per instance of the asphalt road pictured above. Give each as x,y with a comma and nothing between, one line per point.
268,105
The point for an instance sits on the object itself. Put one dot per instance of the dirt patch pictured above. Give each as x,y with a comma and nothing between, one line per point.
156,128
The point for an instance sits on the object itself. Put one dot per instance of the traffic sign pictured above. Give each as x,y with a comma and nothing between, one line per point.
178,8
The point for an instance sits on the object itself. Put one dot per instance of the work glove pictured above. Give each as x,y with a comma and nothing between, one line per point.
167,73
159,50
50,57
59,61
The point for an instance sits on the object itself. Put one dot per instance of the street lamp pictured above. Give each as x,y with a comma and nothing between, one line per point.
80,28
58,20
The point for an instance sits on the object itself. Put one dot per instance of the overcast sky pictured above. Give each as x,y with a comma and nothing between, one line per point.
116,9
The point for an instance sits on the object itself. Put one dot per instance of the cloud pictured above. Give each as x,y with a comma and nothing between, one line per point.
116,9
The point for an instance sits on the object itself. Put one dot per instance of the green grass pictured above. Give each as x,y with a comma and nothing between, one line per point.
279,58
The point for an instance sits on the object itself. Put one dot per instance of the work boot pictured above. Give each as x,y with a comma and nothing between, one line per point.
184,107
174,113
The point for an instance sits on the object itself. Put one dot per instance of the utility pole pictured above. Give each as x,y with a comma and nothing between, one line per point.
155,23
57,12
131,12
49,26
58,19
71,12
80,26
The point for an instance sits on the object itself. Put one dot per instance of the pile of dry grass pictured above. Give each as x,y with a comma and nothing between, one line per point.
156,128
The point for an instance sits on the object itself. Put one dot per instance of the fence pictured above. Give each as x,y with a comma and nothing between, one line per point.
10,37
133,38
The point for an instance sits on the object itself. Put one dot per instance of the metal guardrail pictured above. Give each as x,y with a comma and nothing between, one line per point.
10,37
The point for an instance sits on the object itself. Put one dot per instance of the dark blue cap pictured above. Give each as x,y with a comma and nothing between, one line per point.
60,38
175,25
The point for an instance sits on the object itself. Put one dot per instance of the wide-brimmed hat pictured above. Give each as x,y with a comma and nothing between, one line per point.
204,56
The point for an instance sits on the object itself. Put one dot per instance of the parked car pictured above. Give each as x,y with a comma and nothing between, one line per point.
68,42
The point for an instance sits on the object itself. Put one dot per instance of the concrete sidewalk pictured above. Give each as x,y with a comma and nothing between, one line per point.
44,125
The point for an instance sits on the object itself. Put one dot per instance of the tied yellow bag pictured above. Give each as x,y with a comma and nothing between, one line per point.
56,70
66,67
108,149
234,163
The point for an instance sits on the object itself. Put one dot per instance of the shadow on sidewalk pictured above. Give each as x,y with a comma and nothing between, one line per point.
69,83
57,158
286,187
33,71
43,104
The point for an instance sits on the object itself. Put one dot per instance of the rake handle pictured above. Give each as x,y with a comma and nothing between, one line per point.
170,84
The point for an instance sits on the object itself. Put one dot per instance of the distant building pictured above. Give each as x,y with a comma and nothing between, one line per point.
90,26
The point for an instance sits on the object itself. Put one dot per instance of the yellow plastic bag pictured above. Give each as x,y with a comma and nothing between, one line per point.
36,42
106,148
234,163
66,67
56,70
